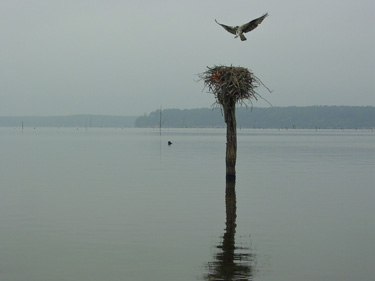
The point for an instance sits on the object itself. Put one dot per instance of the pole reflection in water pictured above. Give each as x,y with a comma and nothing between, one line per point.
231,262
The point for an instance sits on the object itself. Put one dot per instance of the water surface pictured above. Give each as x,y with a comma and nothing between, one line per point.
120,204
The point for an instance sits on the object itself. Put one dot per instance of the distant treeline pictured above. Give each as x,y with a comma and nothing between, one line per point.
68,121
310,117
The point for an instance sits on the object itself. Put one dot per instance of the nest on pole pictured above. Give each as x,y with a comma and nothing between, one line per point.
231,84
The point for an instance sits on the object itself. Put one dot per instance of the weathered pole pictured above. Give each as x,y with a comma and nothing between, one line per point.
230,86
229,108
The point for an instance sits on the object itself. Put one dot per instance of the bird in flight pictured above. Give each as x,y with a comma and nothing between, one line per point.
247,27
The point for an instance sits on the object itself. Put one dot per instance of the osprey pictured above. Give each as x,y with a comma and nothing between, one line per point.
239,30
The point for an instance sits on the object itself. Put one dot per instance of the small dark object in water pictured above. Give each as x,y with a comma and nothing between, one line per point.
169,142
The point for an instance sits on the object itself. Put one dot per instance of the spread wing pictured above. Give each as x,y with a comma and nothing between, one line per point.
253,24
230,29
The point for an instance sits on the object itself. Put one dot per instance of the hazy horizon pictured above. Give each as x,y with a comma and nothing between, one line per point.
131,57
147,113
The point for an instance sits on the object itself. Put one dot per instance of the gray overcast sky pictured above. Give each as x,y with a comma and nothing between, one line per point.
129,57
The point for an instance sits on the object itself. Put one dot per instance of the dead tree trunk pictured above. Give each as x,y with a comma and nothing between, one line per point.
231,151
230,86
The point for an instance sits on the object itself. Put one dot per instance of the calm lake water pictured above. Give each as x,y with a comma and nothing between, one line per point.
120,204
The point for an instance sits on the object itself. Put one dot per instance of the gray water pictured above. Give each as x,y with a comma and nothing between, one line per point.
120,204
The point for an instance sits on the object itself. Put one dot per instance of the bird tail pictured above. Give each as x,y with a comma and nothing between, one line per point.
243,38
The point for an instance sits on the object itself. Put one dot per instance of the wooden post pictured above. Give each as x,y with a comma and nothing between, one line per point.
231,149
231,86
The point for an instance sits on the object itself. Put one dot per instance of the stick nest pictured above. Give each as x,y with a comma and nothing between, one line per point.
231,84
